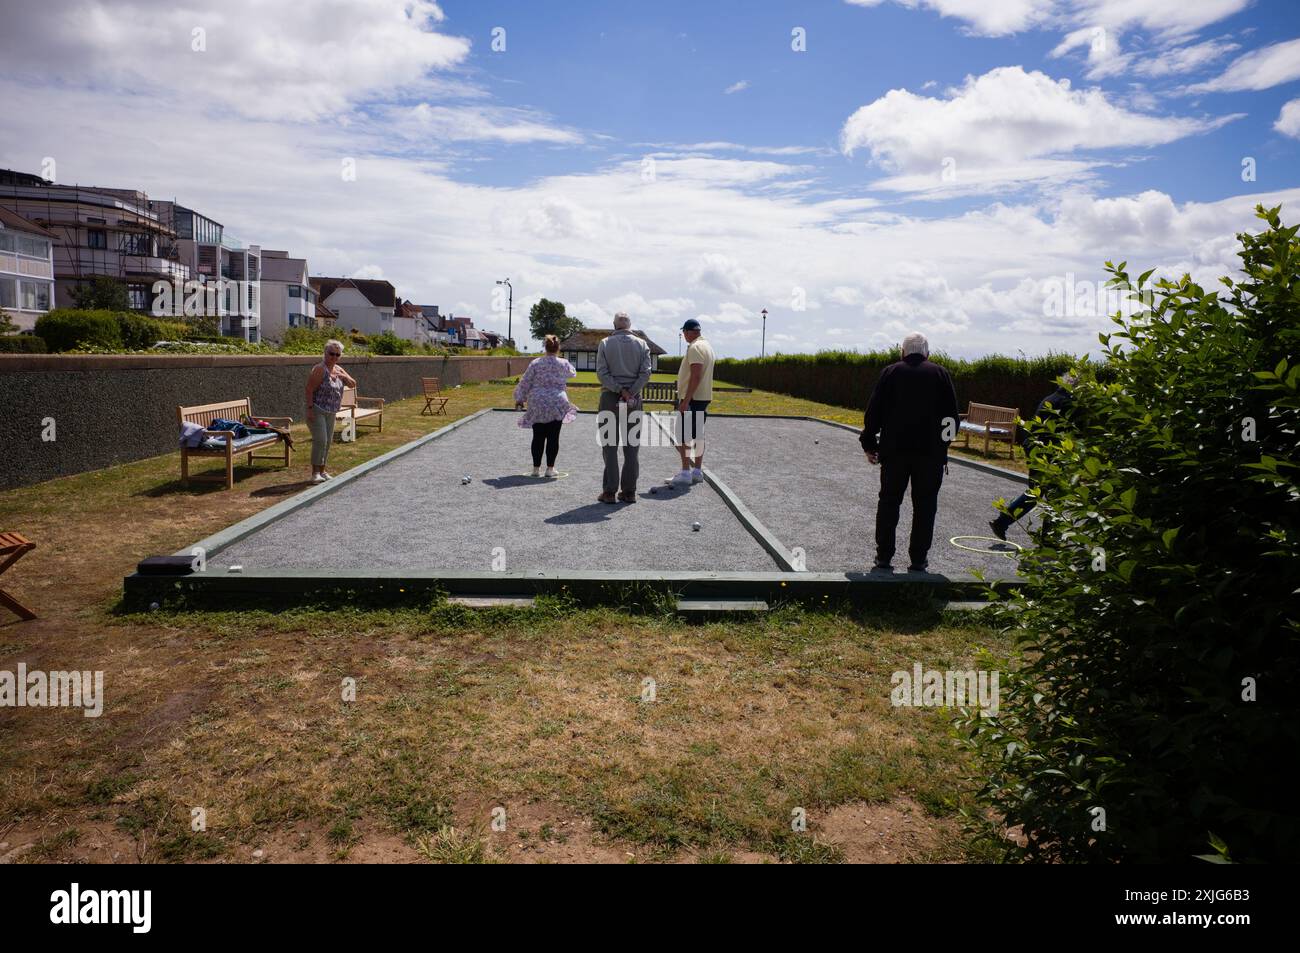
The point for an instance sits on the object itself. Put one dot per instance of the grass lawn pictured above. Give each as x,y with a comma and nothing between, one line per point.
457,711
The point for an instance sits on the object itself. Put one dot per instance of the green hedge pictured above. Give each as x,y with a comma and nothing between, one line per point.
23,344
846,378
1153,709
67,329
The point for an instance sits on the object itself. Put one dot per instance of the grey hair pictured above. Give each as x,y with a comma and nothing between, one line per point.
621,321
915,343
333,343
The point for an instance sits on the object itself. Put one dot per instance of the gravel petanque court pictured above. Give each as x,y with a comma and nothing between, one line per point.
413,513
808,483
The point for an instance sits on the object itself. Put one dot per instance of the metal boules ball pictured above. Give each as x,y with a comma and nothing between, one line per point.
696,526
464,480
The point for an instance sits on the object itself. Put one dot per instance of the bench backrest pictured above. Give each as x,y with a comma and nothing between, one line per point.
349,398
432,385
204,414
991,414
659,390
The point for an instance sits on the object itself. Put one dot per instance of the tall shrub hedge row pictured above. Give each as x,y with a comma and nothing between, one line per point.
66,329
845,378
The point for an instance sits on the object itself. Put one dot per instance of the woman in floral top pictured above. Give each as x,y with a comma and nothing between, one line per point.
542,389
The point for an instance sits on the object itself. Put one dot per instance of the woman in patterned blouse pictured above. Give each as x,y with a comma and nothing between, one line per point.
324,395
542,389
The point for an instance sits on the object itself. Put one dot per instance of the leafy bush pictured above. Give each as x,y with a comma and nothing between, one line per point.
1159,622
306,340
66,328
140,331
388,343
23,344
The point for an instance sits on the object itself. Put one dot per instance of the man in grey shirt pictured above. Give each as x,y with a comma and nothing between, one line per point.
623,367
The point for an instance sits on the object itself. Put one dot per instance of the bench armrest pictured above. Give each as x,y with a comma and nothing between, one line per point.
271,420
376,401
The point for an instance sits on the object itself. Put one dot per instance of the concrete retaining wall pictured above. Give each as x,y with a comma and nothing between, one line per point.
113,409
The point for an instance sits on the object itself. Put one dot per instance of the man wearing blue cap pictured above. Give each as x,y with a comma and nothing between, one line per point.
694,391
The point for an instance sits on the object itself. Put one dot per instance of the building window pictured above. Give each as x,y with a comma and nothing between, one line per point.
33,296
96,238
133,243
295,291
8,294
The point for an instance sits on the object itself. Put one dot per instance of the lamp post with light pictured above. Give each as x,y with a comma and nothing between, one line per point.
510,310
763,353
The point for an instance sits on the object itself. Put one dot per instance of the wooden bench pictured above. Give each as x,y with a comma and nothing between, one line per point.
358,409
13,547
659,392
204,414
996,424
433,394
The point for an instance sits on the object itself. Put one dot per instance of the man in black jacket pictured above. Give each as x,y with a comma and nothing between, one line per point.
1061,401
910,420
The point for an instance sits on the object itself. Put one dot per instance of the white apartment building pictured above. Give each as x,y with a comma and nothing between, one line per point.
26,269
366,305
288,299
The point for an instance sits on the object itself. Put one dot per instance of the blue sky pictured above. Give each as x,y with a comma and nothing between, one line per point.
936,164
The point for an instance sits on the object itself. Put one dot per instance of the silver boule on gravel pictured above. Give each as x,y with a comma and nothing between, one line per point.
696,526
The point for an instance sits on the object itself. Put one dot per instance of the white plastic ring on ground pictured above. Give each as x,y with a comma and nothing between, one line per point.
1010,554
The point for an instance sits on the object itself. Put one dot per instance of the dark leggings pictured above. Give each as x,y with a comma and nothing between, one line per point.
547,435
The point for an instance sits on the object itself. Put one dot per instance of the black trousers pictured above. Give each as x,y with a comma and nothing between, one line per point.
548,436
925,473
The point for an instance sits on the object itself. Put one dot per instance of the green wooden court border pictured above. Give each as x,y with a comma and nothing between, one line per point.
775,586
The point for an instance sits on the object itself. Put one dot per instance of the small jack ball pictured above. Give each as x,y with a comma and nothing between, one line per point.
696,526
816,441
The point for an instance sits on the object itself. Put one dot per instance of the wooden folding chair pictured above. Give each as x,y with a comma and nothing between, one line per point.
14,547
432,394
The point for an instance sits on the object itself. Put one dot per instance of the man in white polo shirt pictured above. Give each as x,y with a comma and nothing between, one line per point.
694,391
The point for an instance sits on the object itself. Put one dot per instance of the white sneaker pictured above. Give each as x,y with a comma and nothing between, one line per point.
537,471
318,478
550,472
697,475
683,479
328,476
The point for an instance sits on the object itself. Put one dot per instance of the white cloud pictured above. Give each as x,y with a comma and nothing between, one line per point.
1007,126
1288,120
279,61
462,123
1183,59
1169,18
640,309
728,312
1259,69
985,17
721,273
736,87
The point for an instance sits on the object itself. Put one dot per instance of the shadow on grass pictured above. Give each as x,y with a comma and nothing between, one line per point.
203,483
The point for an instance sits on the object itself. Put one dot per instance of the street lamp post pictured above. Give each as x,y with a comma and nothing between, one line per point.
763,353
510,310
